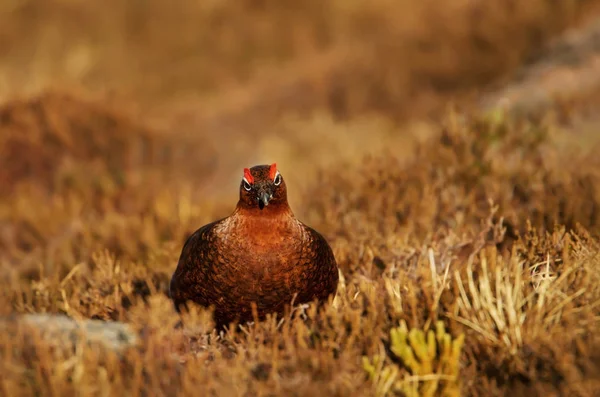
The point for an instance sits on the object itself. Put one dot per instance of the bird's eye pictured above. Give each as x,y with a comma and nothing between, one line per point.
246,185
277,180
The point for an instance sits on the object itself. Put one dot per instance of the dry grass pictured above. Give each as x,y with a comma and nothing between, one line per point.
417,240
475,226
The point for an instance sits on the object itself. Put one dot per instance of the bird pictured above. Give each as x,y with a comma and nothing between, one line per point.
260,254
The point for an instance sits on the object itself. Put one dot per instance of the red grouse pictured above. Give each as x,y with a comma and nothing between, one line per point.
260,253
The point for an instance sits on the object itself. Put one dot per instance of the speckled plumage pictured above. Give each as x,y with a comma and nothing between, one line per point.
260,253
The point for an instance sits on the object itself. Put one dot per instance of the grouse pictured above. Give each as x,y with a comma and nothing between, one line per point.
260,254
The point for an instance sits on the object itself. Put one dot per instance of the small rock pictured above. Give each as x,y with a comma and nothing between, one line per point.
64,331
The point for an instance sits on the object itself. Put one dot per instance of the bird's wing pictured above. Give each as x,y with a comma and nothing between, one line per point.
326,271
196,256
319,246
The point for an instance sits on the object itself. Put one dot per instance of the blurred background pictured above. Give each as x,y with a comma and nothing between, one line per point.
343,56
117,104
411,133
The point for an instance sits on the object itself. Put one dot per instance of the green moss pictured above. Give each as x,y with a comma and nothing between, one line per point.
432,359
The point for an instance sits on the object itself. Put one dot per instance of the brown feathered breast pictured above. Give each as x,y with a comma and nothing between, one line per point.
261,253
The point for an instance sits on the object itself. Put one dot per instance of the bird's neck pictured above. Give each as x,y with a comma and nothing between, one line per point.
271,211
262,227
269,217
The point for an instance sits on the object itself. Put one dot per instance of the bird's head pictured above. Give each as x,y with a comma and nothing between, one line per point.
263,186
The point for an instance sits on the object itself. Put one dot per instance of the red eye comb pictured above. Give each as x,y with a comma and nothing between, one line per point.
273,171
248,176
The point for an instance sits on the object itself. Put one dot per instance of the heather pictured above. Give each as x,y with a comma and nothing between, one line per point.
465,225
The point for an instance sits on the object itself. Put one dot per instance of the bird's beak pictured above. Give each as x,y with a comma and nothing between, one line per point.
263,199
